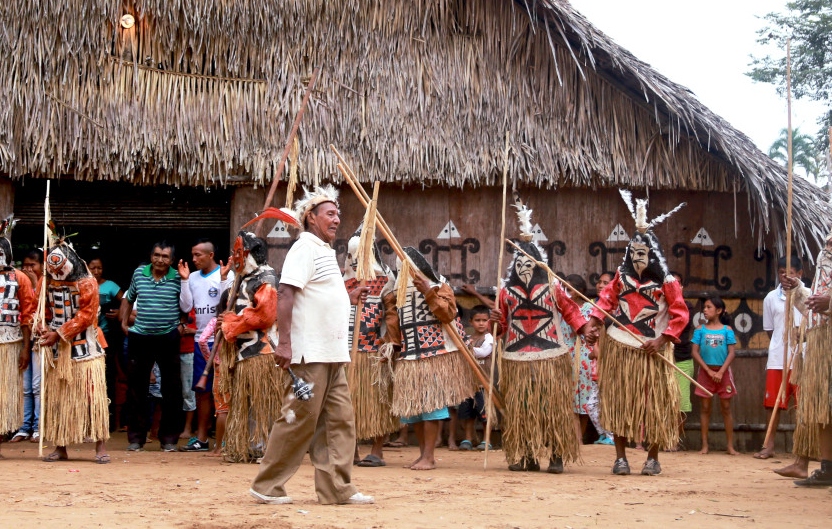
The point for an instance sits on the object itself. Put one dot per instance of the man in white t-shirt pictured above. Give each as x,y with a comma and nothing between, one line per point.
774,321
201,292
313,317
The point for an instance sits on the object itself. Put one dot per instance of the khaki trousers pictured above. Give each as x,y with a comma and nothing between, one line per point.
324,426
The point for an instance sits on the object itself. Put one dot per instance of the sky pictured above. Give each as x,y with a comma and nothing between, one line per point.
706,47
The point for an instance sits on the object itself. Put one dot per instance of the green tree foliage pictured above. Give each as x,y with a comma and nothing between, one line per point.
805,154
809,25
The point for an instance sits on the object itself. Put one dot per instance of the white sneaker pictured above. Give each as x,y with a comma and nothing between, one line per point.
273,500
360,499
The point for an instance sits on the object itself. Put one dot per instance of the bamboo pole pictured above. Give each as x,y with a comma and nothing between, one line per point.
497,343
40,316
607,314
788,314
451,331
289,142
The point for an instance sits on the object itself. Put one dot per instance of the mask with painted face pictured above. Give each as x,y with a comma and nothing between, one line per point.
5,253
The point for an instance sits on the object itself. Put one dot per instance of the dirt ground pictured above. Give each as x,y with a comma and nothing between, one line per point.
156,489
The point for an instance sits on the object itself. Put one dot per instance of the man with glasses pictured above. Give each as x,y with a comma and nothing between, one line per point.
153,338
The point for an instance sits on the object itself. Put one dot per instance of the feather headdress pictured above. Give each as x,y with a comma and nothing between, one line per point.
6,226
639,212
524,221
313,199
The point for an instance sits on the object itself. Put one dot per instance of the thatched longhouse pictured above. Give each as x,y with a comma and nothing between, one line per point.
173,126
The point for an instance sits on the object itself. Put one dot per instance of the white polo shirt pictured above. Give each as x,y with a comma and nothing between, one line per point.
774,311
321,313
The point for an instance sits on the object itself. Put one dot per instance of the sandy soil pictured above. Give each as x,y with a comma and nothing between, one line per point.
156,489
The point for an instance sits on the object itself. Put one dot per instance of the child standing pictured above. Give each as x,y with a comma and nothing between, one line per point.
473,409
713,350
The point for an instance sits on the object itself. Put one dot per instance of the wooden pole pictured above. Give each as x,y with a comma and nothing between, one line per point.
450,330
289,141
610,316
788,314
40,316
495,352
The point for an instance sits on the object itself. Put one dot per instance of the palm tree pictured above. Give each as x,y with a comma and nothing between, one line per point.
805,153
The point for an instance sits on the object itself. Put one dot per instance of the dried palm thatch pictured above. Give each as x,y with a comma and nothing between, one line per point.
203,92
11,378
637,389
539,422
75,407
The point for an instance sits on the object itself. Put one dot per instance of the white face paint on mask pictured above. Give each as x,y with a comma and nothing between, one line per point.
58,264
5,253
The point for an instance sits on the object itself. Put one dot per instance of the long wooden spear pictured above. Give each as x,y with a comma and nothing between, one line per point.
289,141
607,314
450,330
40,318
788,314
497,347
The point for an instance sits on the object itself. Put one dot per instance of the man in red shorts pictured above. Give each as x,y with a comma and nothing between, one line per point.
774,320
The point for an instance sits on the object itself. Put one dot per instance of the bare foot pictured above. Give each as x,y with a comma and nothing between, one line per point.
704,450
793,471
186,435
411,465
2,456
453,447
639,447
732,452
765,453
214,453
424,465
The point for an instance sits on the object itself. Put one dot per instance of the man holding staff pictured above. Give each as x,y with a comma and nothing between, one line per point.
814,408
635,386
313,312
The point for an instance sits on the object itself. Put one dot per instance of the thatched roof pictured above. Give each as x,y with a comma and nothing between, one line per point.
203,92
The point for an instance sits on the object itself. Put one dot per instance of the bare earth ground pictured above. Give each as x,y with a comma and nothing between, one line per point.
156,489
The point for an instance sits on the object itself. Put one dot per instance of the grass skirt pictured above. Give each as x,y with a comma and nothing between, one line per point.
75,404
369,400
634,389
813,406
539,421
806,440
257,388
11,387
422,386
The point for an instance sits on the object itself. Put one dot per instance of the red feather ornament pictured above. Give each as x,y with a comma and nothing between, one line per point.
275,213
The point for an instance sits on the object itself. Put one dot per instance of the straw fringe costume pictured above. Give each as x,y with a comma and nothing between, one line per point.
814,373
247,360
430,373
536,368
17,306
75,388
634,387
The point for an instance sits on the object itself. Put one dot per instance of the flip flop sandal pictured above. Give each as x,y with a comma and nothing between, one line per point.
395,444
103,459
55,456
466,445
372,461
763,454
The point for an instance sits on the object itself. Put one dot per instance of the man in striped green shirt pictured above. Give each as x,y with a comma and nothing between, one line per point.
154,338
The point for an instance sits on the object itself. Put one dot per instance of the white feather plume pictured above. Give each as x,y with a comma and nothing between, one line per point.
524,221
661,218
628,199
641,215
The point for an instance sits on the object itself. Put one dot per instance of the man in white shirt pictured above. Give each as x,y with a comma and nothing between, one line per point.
313,317
201,292
774,321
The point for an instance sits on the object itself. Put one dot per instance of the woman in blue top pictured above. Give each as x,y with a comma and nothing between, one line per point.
713,350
